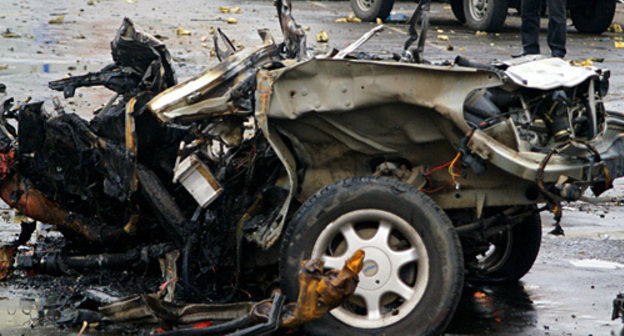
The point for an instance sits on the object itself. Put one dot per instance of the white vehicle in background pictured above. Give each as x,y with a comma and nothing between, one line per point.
489,15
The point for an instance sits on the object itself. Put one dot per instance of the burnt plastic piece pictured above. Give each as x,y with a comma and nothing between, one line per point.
618,307
142,63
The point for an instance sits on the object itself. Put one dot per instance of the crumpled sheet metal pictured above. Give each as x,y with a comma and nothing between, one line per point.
329,85
149,308
320,292
194,98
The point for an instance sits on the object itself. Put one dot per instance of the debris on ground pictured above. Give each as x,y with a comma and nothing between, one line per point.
322,37
615,28
182,32
57,19
351,18
9,34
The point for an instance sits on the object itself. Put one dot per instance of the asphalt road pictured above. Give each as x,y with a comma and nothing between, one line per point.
569,290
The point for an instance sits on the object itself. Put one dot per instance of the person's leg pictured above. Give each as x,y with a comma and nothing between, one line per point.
557,27
530,10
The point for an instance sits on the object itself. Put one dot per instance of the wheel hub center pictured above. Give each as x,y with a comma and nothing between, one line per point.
370,268
376,270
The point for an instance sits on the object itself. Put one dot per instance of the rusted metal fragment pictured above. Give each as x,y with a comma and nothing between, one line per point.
320,292
7,256
150,308
34,204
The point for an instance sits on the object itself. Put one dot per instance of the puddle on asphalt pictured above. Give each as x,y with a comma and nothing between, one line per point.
596,263
491,309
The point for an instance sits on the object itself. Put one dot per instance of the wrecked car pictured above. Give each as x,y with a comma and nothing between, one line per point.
279,154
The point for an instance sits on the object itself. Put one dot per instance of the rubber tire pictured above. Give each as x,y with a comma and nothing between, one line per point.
380,9
494,18
436,308
526,241
593,17
457,6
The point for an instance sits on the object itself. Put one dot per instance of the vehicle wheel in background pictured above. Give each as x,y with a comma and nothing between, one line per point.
488,15
593,16
458,10
413,268
370,10
511,254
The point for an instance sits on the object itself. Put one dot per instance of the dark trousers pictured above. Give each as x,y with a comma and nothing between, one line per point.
556,38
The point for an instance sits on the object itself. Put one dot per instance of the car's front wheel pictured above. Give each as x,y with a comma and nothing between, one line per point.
593,16
413,268
487,15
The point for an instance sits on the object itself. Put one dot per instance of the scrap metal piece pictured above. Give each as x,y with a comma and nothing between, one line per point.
149,308
357,43
421,17
320,292
618,307
294,36
142,63
229,46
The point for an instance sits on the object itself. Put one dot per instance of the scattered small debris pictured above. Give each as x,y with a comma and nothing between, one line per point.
182,32
461,48
322,37
379,21
57,20
449,47
350,18
447,7
443,37
307,28
615,28
440,31
211,31
231,20
4,67
90,3
224,9
9,34
619,44
236,10
481,33
160,37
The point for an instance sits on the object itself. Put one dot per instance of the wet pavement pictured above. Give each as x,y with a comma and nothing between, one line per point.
575,278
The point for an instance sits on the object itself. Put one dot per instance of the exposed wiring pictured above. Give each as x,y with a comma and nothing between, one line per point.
451,171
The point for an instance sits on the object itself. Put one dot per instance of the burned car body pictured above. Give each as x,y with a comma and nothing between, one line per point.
275,156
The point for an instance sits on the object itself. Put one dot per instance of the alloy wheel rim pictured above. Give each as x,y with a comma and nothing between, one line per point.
396,266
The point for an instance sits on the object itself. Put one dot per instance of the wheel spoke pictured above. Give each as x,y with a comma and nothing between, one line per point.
352,239
372,300
382,235
398,287
333,262
400,258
